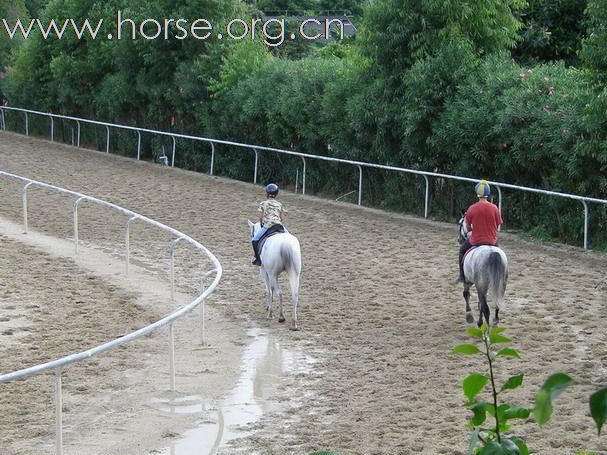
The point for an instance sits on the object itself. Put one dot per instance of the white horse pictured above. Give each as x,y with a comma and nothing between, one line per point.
280,253
485,267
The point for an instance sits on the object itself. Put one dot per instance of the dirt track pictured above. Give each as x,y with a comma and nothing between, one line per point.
379,311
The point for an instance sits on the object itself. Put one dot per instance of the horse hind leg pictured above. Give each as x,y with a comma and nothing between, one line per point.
483,308
269,298
469,317
281,314
276,291
294,285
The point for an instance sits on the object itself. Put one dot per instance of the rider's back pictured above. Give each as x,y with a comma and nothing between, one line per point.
485,219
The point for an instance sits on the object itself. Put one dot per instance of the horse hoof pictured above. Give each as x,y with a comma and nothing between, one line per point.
294,326
469,318
281,319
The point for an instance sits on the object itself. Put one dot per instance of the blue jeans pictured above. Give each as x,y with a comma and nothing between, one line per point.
259,234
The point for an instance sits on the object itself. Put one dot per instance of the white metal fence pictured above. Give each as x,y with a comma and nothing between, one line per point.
58,364
256,149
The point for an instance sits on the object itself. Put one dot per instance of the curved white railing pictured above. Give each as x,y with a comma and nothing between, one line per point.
58,364
256,148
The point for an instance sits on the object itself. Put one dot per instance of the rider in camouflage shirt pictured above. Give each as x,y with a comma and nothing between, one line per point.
271,213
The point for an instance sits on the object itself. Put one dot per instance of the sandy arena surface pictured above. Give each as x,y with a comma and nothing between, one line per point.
379,314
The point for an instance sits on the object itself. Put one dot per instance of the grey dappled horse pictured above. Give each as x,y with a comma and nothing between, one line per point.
280,253
485,267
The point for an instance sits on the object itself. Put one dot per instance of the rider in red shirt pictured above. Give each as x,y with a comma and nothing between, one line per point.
483,219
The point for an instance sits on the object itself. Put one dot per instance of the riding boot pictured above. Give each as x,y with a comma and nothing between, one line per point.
461,277
257,260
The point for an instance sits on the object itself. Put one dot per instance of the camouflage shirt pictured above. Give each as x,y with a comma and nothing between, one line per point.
271,210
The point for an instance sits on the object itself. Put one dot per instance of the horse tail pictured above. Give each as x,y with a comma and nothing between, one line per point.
290,254
498,277
291,257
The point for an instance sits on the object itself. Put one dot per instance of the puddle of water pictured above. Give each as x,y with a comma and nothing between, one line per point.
264,363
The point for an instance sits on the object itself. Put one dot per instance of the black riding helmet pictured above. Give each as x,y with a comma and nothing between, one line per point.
272,189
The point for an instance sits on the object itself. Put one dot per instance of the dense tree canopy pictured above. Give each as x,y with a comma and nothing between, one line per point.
553,31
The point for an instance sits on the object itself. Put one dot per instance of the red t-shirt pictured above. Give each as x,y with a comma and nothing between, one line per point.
483,219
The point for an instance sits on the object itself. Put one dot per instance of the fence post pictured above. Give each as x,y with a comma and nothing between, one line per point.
303,176
171,358
58,413
27,128
172,267
255,170
107,139
75,218
173,157
585,224
24,205
427,197
360,184
78,135
52,128
128,243
212,158
2,119
138,145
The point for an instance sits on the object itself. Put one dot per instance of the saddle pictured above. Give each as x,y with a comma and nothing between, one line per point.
276,229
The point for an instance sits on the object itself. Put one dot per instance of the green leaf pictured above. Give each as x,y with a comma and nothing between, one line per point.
513,382
501,411
517,413
495,338
475,332
556,383
508,352
598,408
467,349
505,448
511,445
497,330
551,389
473,441
543,407
522,447
480,414
473,384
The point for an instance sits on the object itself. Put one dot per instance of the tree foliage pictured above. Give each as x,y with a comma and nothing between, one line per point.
480,88
553,31
10,10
